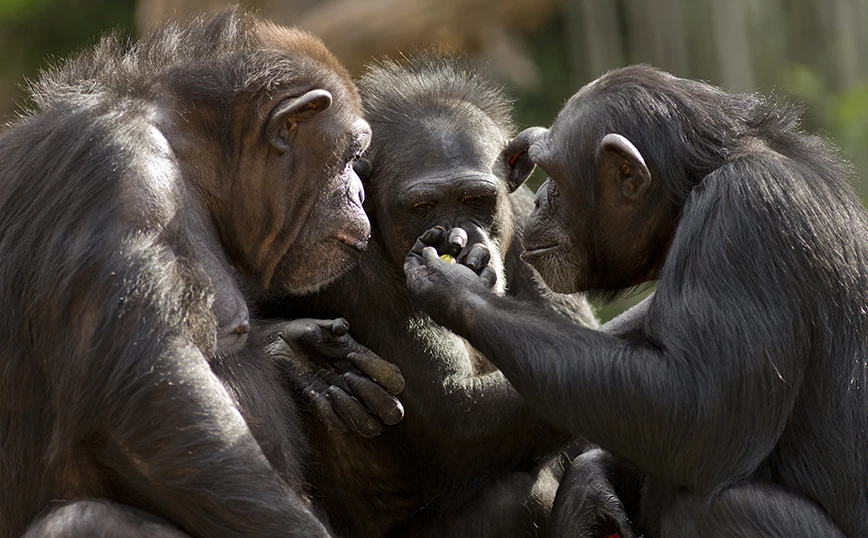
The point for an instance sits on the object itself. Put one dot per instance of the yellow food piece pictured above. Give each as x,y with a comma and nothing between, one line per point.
447,258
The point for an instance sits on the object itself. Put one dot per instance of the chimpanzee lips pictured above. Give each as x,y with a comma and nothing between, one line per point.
358,243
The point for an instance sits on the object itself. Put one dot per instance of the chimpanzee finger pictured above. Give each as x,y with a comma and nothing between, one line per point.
488,277
340,327
453,243
476,257
334,379
620,521
431,238
386,406
352,413
385,374
322,409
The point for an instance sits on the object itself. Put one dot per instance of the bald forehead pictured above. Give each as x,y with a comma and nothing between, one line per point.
552,149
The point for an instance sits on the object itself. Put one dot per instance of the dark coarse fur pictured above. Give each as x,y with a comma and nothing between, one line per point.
741,390
112,268
464,460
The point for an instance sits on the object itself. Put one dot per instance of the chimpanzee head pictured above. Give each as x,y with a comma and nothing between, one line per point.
267,130
620,163
436,158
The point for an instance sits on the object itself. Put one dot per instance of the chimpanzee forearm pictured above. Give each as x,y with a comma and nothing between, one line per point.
176,474
442,391
630,322
583,380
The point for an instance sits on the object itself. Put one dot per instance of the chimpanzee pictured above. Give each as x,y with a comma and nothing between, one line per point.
741,390
465,460
148,200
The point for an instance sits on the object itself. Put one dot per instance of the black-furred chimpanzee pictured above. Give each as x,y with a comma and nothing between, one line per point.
151,195
464,460
741,392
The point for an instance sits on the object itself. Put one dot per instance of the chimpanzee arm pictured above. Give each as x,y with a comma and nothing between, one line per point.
134,385
442,392
631,322
702,399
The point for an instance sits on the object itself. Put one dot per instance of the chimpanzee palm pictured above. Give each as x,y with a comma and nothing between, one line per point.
464,461
741,390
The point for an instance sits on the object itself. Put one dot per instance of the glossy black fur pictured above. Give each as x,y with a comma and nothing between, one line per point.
465,461
741,392
117,265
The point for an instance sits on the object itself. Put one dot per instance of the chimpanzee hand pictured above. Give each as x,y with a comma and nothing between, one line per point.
436,284
345,385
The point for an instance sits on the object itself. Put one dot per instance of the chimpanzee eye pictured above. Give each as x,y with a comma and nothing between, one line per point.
423,206
471,200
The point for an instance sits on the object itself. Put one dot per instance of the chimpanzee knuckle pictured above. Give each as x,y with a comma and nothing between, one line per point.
340,328
353,414
279,350
384,373
369,426
488,277
454,242
478,257
386,406
322,409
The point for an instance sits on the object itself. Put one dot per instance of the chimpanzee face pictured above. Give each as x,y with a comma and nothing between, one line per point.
556,236
291,208
328,193
442,171
590,229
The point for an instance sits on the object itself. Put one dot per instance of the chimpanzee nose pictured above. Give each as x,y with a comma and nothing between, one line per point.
355,189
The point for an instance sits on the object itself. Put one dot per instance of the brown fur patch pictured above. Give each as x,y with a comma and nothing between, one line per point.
301,42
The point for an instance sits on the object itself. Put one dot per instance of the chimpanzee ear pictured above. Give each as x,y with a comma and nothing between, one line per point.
620,155
516,160
284,120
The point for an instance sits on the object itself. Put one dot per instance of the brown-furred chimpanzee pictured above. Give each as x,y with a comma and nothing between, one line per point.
741,390
465,460
148,200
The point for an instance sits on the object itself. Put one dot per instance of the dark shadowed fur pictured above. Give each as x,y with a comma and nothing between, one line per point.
119,258
741,390
466,459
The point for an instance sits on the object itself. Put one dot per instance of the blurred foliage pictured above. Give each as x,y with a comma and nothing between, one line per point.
842,116
36,32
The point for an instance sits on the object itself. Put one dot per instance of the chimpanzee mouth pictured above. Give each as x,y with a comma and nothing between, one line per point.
357,243
537,252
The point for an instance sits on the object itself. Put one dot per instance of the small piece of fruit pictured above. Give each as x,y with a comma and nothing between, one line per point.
447,258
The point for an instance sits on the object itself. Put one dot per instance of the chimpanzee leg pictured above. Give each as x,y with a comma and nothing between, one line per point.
100,519
748,509
516,505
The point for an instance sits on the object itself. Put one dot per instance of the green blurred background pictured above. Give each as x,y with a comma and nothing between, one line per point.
542,51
